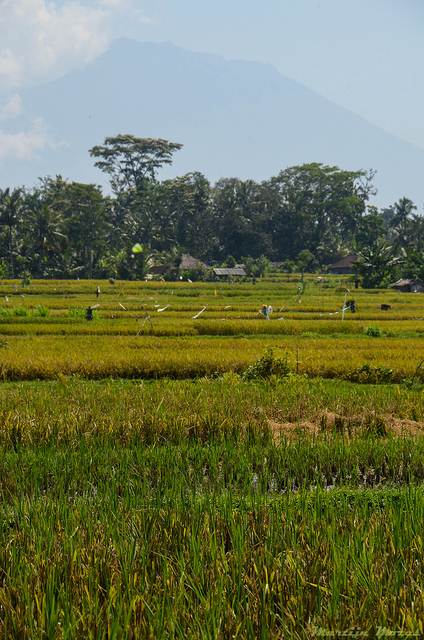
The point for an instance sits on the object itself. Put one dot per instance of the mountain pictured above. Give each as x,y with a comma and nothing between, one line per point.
235,118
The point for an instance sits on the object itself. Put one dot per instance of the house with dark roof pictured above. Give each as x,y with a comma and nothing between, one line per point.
409,285
344,265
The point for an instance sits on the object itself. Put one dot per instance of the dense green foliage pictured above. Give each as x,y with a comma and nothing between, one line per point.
307,217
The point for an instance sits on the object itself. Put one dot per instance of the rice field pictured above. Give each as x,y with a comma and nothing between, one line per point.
190,330
152,489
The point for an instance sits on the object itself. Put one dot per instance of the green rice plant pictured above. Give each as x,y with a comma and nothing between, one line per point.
149,491
157,508
20,311
375,425
42,311
373,331
157,538
77,312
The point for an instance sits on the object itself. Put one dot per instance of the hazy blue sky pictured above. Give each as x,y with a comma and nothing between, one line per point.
365,55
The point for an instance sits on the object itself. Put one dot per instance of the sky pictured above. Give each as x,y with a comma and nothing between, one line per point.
364,55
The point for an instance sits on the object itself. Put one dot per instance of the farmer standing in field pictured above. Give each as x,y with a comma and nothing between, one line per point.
265,311
97,291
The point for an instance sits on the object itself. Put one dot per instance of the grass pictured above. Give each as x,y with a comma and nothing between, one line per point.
78,351
213,568
169,509
149,490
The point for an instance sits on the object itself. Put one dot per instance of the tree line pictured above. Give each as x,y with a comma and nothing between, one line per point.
306,217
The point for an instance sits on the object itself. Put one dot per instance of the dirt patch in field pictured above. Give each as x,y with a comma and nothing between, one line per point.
291,429
404,426
327,421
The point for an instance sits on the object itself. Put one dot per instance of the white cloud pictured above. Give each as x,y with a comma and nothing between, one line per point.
41,40
25,145
10,67
12,108
114,3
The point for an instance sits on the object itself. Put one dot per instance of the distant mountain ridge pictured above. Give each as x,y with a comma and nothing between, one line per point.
234,118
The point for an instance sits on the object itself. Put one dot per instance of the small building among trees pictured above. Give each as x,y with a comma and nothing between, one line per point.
409,285
187,263
222,272
344,265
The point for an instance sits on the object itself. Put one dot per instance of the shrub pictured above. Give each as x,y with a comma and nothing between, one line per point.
20,311
371,374
268,365
77,312
41,311
373,331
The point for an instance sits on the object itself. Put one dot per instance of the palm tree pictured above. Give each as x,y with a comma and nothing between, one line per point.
401,219
377,263
12,210
46,225
87,222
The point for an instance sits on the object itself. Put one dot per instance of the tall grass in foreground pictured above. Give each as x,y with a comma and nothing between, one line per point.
137,560
172,509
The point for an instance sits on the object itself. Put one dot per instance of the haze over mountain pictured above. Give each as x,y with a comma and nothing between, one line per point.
234,118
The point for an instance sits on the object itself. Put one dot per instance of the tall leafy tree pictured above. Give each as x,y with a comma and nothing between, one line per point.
130,162
315,201
370,228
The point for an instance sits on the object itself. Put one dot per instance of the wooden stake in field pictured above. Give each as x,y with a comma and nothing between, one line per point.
145,318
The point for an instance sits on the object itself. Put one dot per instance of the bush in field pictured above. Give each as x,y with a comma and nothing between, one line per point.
373,331
268,365
41,311
371,374
77,312
15,311
20,311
